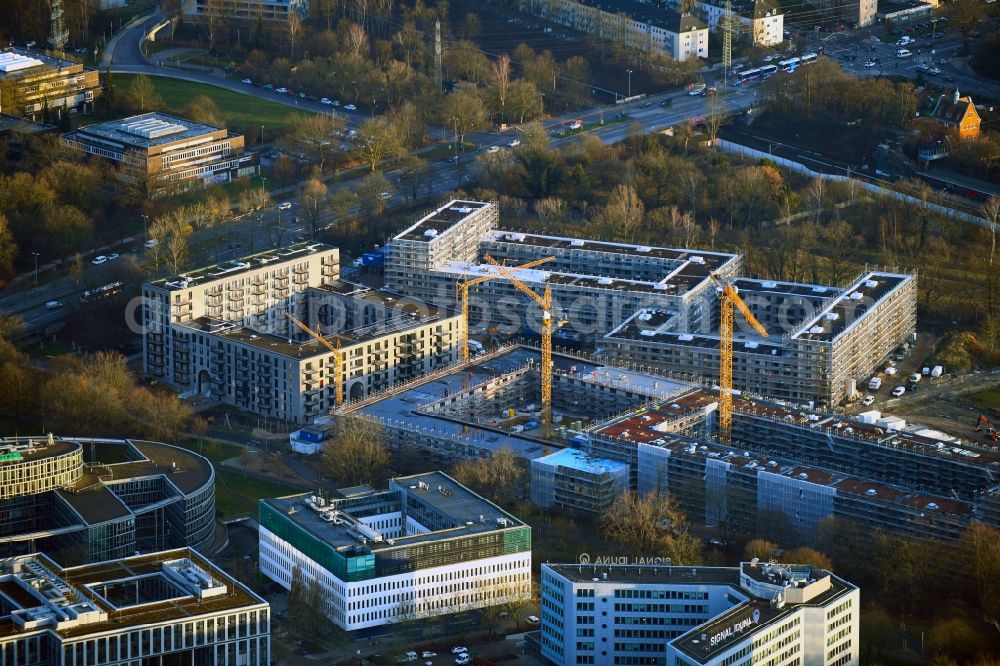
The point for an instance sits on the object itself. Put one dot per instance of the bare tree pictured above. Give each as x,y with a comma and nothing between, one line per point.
358,451
313,196
501,82
991,210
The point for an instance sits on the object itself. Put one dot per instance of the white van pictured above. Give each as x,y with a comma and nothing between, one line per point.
903,53
476,347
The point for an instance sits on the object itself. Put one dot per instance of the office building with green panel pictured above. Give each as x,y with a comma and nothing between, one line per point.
426,546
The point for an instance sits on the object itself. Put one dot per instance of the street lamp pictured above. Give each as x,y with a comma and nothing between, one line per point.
145,220
628,102
36,269
262,137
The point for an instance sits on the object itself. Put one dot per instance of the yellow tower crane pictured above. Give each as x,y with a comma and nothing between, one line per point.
463,287
338,362
727,299
545,303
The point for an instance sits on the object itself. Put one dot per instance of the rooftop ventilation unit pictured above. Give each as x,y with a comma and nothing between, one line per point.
577,243
871,284
932,506
857,296
697,260
431,233
871,492
151,128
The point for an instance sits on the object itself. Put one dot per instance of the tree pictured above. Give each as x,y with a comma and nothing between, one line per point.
810,556
377,140
499,477
315,135
312,197
8,248
524,100
965,15
358,452
501,83
464,111
761,549
956,639
66,228
203,109
414,173
981,545
624,212
877,632
576,82
991,211
143,96
653,524
308,605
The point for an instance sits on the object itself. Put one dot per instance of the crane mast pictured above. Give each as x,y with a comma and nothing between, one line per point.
728,299
337,361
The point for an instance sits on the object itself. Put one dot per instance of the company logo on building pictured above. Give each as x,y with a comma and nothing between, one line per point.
609,560
735,628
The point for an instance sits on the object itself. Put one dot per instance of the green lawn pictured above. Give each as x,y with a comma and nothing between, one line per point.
240,112
237,494
215,450
988,399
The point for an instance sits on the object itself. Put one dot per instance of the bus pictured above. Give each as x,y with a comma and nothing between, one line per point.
808,58
745,76
768,70
101,293
789,65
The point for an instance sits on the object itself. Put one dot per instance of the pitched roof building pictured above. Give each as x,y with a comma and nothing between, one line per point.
960,113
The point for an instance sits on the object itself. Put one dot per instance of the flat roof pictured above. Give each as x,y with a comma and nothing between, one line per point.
463,511
17,62
851,306
651,14
647,574
653,324
581,461
30,448
228,269
16,125
144,131
439,221
763,613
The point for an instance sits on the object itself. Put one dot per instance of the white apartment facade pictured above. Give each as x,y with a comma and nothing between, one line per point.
273,11
425,547
657,614
762,20
641,26
224,331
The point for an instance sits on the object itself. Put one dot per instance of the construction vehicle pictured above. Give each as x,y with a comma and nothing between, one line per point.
983,423
463,294
338,361
545,303
728,298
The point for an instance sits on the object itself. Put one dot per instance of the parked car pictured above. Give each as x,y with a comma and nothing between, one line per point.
514,143
350,107
385,196
898,391
98,260
281,90
427,654
248,81
53,305
463,658
326,100
493,149
151,243
285,205
869,399
458,649
532,619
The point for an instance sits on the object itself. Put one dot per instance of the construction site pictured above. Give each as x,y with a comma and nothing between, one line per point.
654,306
649,432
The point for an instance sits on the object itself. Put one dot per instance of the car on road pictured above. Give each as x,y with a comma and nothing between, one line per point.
898,391
711,91
458,649
281,90
871,63
248,81
493,149
515,143
645,105
768,58
532,619
53,305
350,107
934,70
463,658
326,100
869,399
385,196
285,205
151,243
697,89
98,260
112,256
904,53
336,102
576,124
667,102
923,67
427,654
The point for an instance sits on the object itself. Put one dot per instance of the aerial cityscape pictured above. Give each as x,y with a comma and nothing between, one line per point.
499,332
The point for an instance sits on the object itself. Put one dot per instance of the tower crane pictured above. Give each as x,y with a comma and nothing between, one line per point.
338,362
727,300
463,287
545,303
